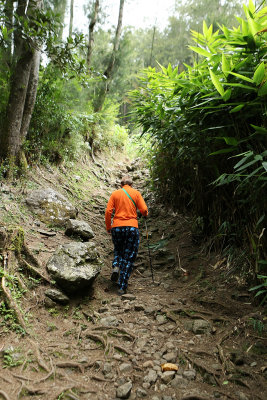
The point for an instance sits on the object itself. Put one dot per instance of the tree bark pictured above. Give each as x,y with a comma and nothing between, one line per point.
71,17
109,71
8,11
91,32
18,112
31,95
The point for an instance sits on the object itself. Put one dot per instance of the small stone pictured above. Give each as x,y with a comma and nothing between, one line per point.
57,295
109,321
241,396
167,376
189,374
170,346
155,398
166,398
163,387
129,297
150,310
140,393
253,364
217,395
98,364
161,319
201,326
170,357
117,356
107,368
124,391
146,385
148,364
179,382
125,367
151,377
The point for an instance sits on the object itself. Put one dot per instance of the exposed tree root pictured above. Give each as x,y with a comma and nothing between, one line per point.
40,361
95,338
100,379
32,270
122,349
4,395
202,367
70,364
116,332
8,296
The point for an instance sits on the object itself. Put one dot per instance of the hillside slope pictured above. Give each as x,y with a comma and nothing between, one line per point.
102,346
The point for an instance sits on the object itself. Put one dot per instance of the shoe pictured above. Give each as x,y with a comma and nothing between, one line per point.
121,292
115,274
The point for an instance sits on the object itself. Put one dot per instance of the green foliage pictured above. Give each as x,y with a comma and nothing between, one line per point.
207,126
261,289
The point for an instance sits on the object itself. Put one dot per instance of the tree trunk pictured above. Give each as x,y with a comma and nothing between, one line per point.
109,71
18,111
31,95
71,17
8,11
91,32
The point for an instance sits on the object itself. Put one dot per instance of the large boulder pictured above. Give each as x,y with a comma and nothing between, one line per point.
79,228
74,266
51,206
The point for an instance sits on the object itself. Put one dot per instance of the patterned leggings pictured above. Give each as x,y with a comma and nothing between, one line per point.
126,243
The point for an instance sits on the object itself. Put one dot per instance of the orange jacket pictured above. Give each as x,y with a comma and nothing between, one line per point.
125,211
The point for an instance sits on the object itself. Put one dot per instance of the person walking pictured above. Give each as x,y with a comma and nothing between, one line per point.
124,230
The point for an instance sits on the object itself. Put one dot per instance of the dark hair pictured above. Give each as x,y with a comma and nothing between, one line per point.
126,180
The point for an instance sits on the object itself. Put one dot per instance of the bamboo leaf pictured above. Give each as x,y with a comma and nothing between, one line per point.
225,65
222,151
264,164
259,129
217,83
205,29
251,7
201,51
241,85
237,108
244,159
263,90
227,94
244,166
245,78
259,74
229,140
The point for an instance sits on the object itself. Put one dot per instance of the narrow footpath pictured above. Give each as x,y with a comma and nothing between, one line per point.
188,335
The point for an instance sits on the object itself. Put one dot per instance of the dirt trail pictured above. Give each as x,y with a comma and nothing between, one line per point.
103,346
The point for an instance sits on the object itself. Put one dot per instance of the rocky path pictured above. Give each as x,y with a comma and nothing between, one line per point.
189,335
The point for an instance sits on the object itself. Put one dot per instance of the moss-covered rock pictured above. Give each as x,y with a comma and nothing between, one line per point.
50,206
74,266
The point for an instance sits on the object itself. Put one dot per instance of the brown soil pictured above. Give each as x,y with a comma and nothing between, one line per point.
68,353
